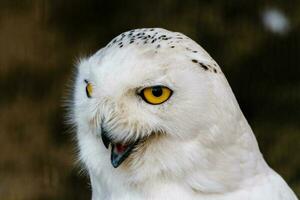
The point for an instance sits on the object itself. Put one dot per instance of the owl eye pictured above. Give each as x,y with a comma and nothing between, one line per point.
89,89
156,94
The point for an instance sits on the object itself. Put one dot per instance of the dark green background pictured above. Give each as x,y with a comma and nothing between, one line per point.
41,40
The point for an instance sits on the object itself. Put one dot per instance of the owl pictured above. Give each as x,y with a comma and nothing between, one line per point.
156,119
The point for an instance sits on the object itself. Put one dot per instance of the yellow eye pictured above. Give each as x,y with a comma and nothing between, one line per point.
156,95
89,90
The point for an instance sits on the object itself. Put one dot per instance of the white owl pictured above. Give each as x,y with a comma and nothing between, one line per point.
156,119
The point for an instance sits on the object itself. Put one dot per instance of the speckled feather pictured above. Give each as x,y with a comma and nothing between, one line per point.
158,39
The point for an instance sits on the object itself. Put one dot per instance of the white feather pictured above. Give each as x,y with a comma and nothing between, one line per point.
207,151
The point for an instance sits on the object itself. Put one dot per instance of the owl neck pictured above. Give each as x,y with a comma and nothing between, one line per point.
231,158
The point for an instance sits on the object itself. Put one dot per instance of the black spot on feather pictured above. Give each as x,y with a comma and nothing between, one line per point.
203,66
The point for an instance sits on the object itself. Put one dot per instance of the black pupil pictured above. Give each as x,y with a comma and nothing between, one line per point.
157,91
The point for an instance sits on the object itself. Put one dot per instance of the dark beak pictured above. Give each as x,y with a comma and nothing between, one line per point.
105,138
119,151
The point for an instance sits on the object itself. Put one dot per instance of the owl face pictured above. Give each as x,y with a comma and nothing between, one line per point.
145,83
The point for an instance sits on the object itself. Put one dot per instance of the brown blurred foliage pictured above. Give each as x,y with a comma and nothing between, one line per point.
40,41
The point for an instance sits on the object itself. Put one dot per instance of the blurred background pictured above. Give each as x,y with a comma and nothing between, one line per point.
257,44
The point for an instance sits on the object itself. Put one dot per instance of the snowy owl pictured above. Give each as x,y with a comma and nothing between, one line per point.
156,119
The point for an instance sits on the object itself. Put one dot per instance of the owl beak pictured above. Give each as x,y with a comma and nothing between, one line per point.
105,139
119,151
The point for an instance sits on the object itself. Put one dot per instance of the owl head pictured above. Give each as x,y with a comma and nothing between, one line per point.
155,100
